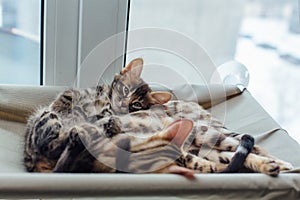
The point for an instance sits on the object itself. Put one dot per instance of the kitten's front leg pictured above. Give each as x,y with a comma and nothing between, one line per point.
200,165
111,125
64,102
212,137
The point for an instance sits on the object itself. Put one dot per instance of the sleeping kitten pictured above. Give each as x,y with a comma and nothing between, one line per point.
165,150
208,140
90,151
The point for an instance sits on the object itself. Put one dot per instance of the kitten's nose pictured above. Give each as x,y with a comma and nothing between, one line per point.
124,104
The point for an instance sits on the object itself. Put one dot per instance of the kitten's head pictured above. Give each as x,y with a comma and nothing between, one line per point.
130,93
161,151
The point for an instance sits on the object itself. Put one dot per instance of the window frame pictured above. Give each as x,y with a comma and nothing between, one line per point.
62,36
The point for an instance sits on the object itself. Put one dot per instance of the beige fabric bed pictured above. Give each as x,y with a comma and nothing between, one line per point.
240,112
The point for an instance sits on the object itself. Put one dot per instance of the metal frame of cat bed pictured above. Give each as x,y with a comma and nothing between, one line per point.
243,114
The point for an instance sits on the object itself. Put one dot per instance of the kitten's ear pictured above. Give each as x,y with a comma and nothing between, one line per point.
161,97
178,131
135,68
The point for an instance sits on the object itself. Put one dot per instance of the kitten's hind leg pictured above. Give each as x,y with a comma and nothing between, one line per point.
48,136
236,162
253,162
282,164
257,150
76,156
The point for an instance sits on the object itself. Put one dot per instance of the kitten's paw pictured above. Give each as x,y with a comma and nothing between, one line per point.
65,101
269,167
77,138
284,165
56,127
47,119
112,127
174,169
48,128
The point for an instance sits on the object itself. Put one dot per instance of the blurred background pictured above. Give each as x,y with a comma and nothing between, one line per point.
20,27
264,35
269,45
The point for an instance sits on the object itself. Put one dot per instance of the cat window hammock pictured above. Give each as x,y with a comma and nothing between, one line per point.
243,114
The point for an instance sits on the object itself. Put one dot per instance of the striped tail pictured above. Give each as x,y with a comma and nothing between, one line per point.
240,155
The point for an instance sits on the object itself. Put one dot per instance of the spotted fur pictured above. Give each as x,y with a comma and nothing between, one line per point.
50,128
210,140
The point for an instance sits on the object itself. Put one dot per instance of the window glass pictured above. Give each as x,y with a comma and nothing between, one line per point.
264,35
268,45
20,41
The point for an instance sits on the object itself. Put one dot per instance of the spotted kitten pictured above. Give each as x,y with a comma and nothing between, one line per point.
209,140
49,128
91,151
163,153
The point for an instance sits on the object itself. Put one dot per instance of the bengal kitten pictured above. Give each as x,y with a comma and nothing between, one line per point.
48,129
67,135
163,153
209,138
